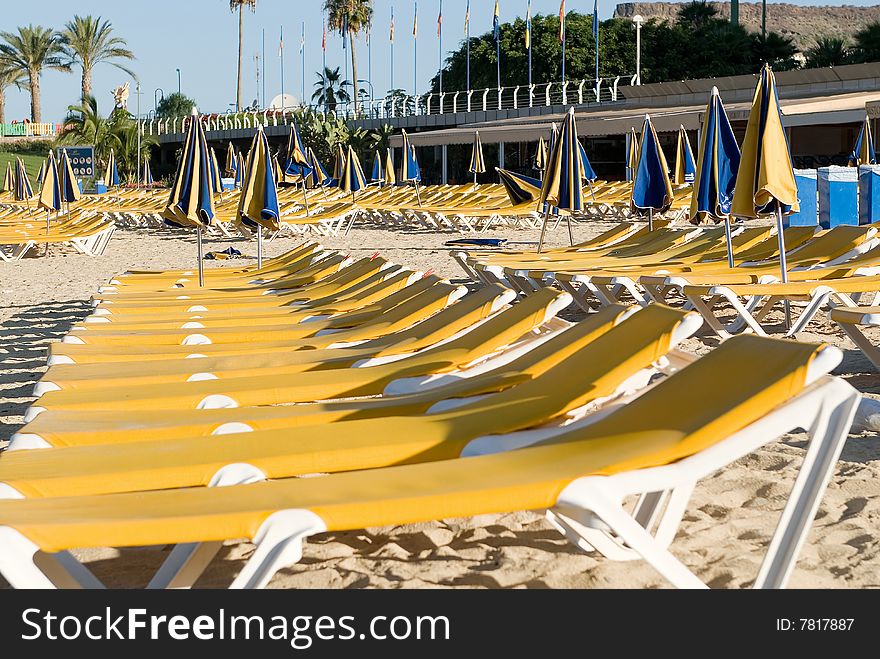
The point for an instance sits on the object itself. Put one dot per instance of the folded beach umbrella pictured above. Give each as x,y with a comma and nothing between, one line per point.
50,190
319,177
148,175
554,135
296,163
378,173
588,173
716,170
9,179
112,173
22,189
519,187
42,172
632,157
216,178
541,155
338,163
353,178
69,185
685,171
563,185
652,189
231,162
863,150
276,168
390,178
240,166
410,172
258,206
478,162
191,202
765,183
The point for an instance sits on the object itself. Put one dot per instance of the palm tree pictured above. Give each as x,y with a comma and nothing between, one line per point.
330,89
868,43
350,16
31,50
233,6
9,77
85,125
828,51
697,14
90,41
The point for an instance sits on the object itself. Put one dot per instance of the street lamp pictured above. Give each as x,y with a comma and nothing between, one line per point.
637,21
158,99
372,92
178,81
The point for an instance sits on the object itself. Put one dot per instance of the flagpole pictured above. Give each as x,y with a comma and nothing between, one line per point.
392,46
281,57
596,35
529,31
468,36
415,48
370,58
264,68
440,48
302,54
324,72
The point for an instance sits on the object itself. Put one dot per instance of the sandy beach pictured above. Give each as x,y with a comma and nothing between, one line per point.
730,518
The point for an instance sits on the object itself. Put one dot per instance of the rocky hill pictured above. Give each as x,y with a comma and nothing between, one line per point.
802,24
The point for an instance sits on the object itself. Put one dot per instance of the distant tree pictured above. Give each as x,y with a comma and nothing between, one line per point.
776,50
175,105
697,14
89,41
85,125
402,103
29,51
9,77
867,48
239,5
828,51
331,89
352,16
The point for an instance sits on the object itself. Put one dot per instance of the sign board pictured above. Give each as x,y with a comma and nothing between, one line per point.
82,159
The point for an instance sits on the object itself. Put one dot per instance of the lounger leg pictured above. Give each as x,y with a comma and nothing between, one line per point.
827,437
279,544
23,565
184,565
857,336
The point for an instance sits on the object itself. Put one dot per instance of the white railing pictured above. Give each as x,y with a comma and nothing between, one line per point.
582,92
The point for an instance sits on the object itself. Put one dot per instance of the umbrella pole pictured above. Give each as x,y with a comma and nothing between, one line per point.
544,227
783,265
729,242
305,197
48,216
570,234
418,194
475,179
592,194
650,219
201,263
259,246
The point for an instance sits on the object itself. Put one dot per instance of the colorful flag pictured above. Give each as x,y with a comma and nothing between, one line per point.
415,20
324,38
391,33
467,17
496,22
302,40
562,21
345,32
529,25
281,43
440,20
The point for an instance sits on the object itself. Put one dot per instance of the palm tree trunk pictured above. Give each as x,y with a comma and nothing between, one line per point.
354,71
34,77
240,45
2,105
86,83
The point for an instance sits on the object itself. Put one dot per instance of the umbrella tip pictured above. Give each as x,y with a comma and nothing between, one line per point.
715,91
194,111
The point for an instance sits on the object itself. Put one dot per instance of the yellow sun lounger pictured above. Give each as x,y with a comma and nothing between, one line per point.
581,476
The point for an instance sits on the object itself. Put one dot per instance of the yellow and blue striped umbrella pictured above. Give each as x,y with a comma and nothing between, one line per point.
191,202
231,162
216,179
258,205
765,183
296,163
562,188
239,169
716,169
652,189
69,185
632,158
409,165
519,187
685,170
863,151
478,162
541,155
378,174
112,173
23,189
353,178
148,175
319,176
42,172
50,190
390,178
9,179
339,164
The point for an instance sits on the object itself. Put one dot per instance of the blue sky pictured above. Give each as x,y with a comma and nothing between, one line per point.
200,38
